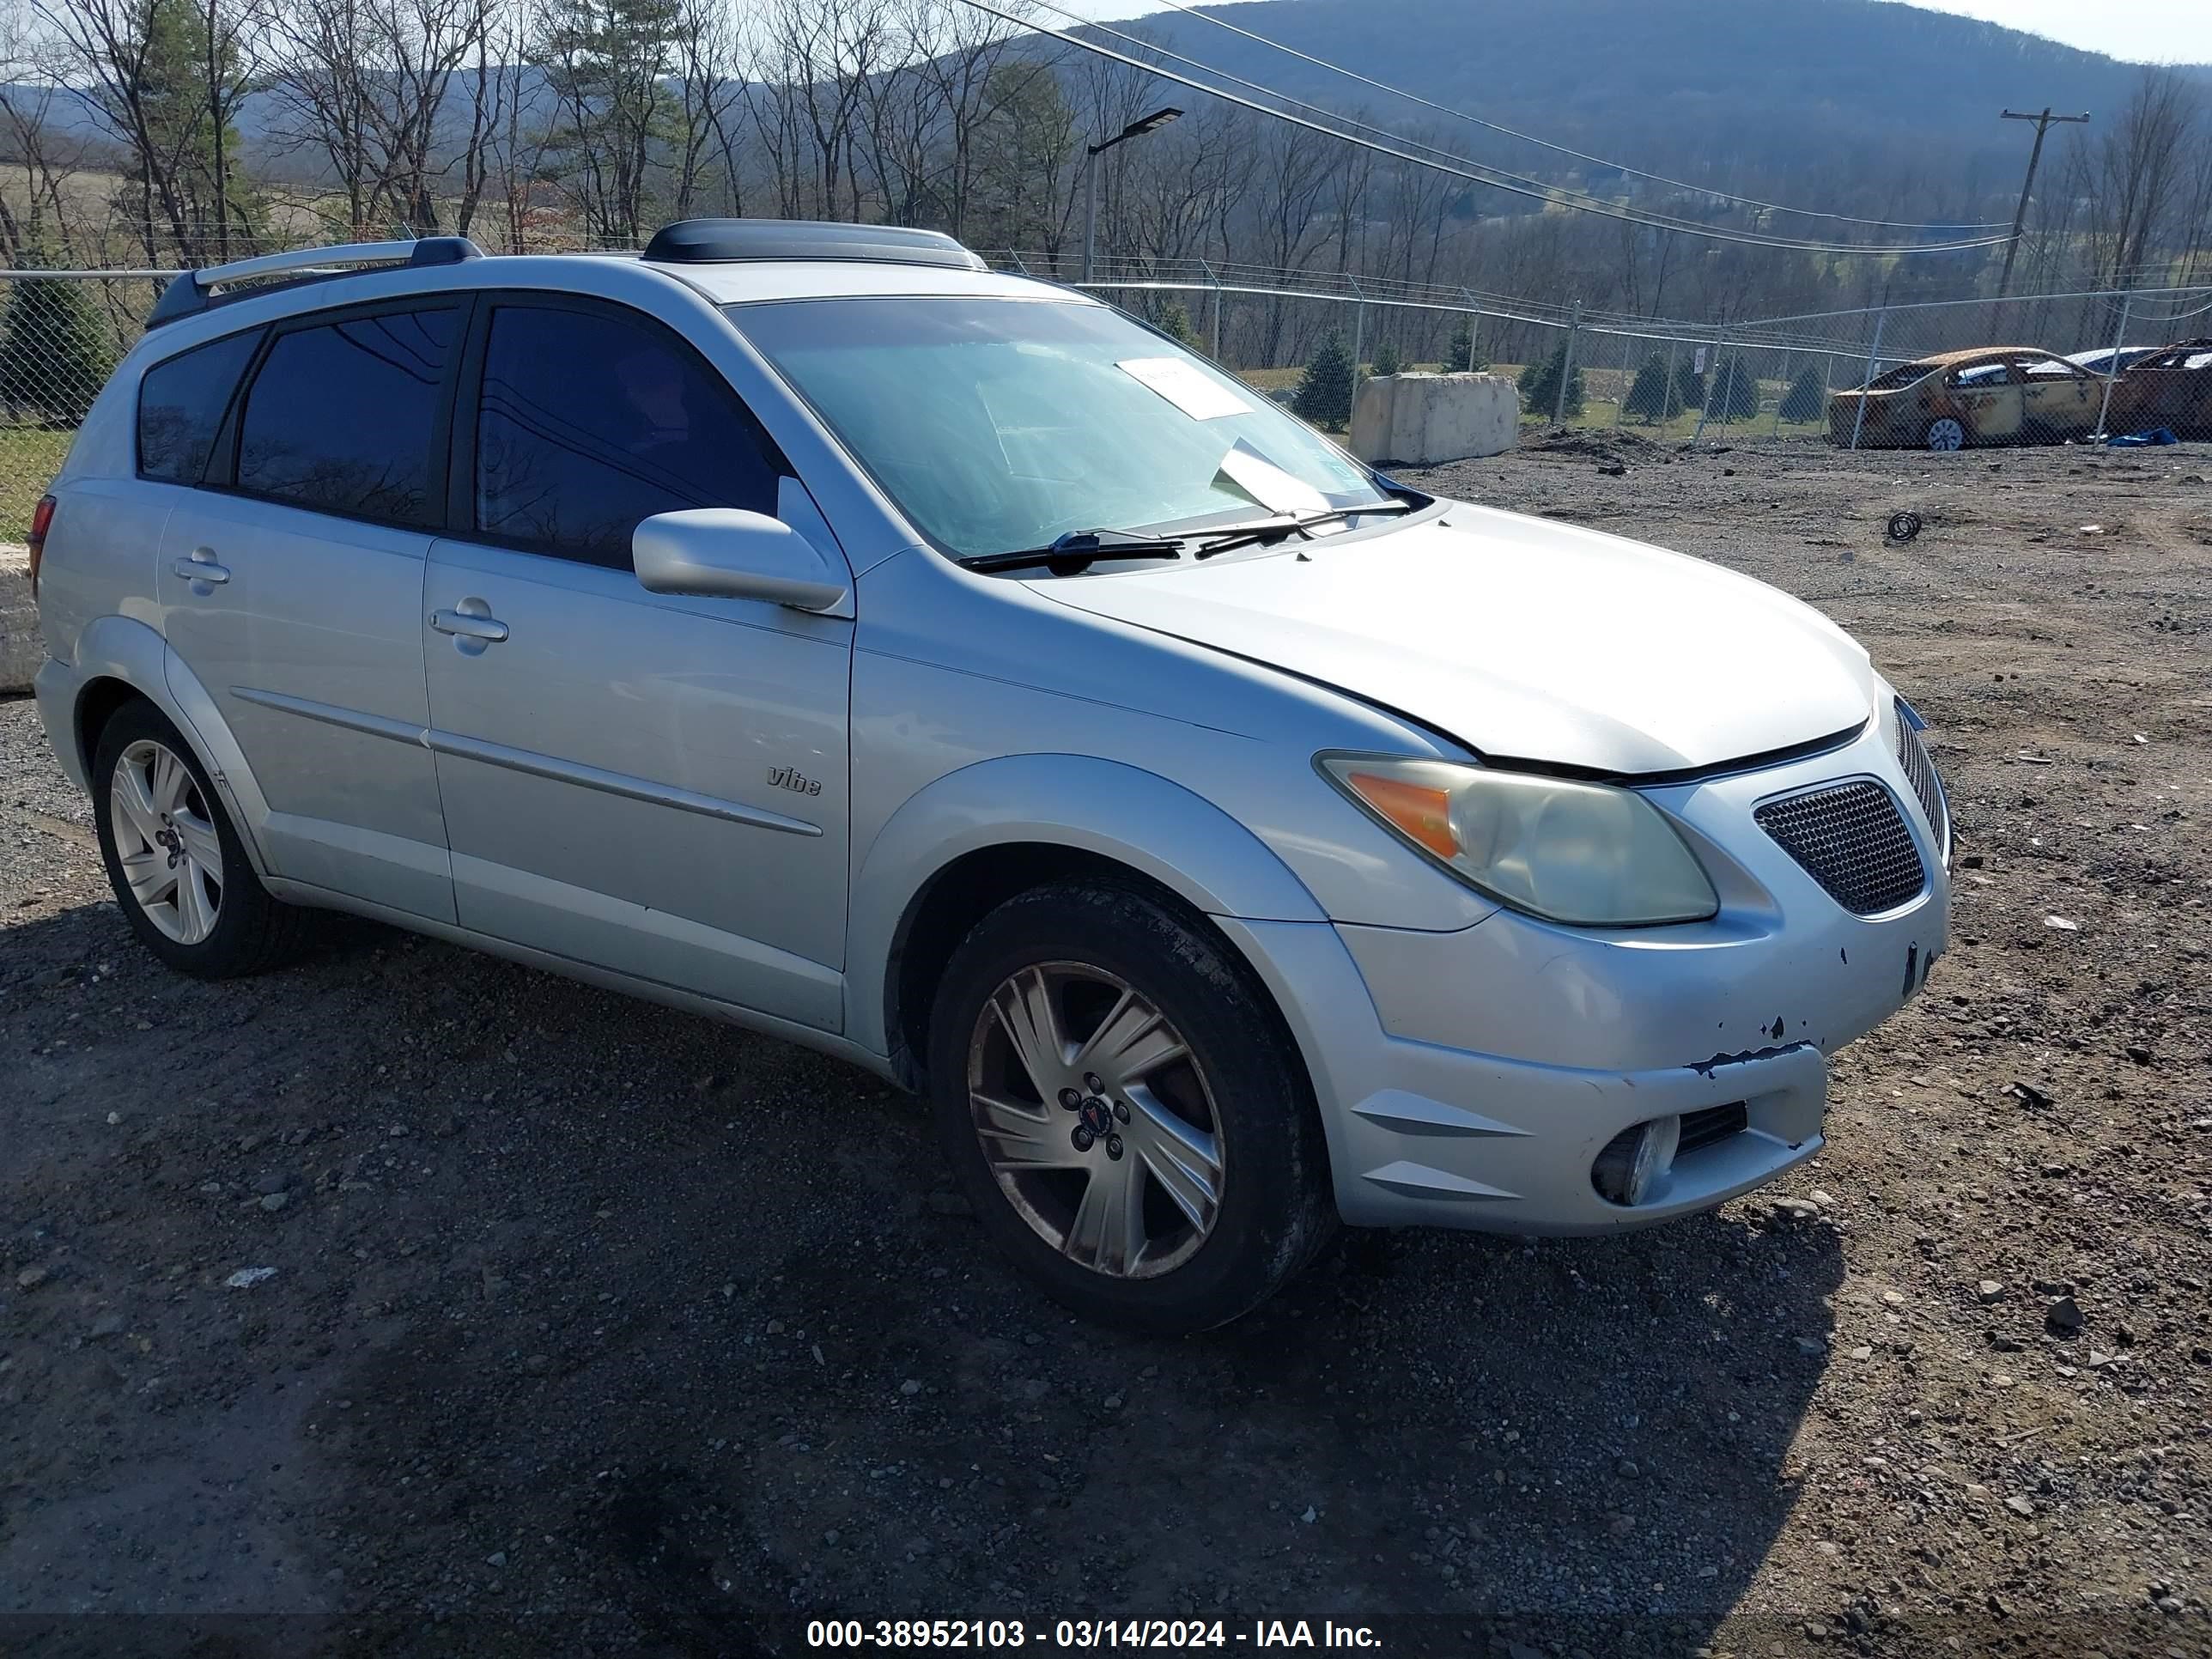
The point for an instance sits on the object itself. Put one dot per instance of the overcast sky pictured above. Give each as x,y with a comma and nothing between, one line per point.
2148,31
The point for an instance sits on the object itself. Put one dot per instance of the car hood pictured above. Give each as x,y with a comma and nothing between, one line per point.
1522,638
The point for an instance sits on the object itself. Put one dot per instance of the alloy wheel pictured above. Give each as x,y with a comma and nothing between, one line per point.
1096,1120
166,841
1946,433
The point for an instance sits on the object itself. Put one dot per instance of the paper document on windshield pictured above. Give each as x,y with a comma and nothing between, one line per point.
1267,484
1186,387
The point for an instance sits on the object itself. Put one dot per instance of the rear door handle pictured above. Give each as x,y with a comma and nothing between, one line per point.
470,625
201,568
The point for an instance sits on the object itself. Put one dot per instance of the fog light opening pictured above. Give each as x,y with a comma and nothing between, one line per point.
1636,1162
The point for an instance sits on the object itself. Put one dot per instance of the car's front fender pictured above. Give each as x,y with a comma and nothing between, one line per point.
1106,808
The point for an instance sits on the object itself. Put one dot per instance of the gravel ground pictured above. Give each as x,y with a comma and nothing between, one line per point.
591,1327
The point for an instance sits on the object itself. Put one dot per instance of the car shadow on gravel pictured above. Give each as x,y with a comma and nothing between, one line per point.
619,1328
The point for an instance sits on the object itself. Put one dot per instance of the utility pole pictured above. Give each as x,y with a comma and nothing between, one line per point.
2043,125
1136,129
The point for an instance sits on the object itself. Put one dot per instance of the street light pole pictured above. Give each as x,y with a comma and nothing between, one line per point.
1136,129
1090,205
2044,122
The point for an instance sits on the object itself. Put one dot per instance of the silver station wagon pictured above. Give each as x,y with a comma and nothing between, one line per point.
803,625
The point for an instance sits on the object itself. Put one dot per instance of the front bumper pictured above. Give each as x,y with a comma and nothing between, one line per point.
1470,1079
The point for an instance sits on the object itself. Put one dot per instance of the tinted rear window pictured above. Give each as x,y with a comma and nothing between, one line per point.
180,405
341,417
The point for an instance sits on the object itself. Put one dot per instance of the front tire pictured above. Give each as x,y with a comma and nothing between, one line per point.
1121,1108
176,861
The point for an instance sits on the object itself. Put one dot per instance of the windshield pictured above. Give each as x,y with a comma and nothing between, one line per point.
1000,424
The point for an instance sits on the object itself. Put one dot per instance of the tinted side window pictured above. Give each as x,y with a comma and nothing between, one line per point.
589,422
180,406
341,416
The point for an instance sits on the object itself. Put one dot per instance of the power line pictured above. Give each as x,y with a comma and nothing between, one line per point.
1139,42
1546,143
1355,125
1551,195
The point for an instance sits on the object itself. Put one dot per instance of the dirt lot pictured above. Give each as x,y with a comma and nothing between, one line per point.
594,1327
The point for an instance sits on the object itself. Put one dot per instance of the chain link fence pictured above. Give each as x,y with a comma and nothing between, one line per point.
2111,365
61,332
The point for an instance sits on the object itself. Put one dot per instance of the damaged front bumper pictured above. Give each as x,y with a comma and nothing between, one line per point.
1472,1078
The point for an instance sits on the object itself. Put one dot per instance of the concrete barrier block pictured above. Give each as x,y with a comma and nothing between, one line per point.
1420,419
20,650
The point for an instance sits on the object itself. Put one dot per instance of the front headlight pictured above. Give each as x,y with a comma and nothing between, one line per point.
1585,853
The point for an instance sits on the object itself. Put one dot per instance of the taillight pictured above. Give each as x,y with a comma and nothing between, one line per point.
42,520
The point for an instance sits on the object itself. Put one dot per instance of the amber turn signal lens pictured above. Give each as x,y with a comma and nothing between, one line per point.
1423,815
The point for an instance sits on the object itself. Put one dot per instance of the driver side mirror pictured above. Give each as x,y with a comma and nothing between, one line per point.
727,553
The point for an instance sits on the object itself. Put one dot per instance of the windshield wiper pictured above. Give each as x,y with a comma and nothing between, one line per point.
1079,548
1274,529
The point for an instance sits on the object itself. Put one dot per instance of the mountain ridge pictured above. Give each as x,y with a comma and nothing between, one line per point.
1718,94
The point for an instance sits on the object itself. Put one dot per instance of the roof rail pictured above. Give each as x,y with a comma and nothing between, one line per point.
713,241
188,293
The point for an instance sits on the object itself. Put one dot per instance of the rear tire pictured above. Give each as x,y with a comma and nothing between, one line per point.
1188,1182
1946,433
176,861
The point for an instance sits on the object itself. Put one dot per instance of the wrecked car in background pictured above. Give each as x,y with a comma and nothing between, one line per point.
1984,395
2172,388
2099,360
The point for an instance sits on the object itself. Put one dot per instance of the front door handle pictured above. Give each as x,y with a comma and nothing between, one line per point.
201,566
470,620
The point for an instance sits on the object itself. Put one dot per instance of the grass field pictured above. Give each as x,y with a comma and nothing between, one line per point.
29,458
1598,413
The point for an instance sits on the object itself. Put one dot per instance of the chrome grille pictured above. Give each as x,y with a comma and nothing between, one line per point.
1920,772
1852,839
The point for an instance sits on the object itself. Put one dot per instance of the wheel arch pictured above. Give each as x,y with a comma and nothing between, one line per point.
97,702
119,659
977,837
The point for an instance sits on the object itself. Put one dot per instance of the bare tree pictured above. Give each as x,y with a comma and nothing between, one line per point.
1349,188
163,79
963,53
320,90
705,53
485,90
511,106
31,103
903,127
1172,185
2195,230
2137,168
365,85
227,33
823,55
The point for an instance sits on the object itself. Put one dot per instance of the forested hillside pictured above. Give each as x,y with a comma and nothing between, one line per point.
1834,103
